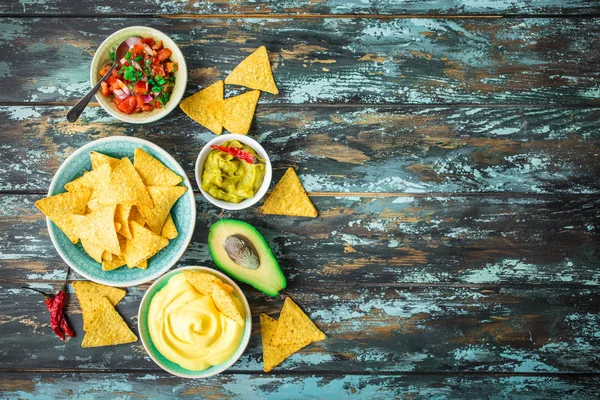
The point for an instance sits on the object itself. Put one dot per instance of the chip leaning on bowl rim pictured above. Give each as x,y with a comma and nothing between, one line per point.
102,57
184,214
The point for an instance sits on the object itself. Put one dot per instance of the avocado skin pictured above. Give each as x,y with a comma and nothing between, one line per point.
267,278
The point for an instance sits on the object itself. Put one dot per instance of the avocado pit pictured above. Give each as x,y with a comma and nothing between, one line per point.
241,251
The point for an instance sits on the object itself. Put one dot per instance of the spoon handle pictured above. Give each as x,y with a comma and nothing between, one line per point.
78,108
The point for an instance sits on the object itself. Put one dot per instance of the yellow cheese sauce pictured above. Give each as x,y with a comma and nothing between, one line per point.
188,329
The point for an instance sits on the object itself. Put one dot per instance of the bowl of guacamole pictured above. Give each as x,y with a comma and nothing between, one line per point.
230,182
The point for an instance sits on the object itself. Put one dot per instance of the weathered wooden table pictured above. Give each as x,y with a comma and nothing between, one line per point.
451,147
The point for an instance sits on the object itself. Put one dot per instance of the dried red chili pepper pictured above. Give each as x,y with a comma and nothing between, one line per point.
55,304
239,153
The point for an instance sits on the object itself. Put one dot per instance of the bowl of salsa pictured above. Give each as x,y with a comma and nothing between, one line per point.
147,83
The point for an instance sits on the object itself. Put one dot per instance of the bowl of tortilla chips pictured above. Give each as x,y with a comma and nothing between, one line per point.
120,211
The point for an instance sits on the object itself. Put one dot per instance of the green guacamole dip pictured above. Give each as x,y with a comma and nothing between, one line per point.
230,179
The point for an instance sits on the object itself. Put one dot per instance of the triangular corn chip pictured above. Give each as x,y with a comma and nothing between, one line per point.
205,107
98,159
92,250
59,208
294,327
142,264
122,217
109,265
143,245
107,256
134,215
163,198
98,228
88,294
238,112
107,327
125,187
289,198
152,171
224,303
274,355
254,72
169,230
204,282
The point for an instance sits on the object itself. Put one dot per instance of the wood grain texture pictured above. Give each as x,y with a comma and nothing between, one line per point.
408,149
157,385
369,329
331,61
303,7
374,241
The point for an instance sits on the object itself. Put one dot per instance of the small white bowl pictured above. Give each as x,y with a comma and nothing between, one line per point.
171,367
102,57
248,142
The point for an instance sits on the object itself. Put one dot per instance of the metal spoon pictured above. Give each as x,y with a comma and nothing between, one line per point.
78,108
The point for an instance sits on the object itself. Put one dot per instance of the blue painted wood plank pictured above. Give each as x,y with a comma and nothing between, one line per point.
374,329
157,385
304,7
347,60
341,149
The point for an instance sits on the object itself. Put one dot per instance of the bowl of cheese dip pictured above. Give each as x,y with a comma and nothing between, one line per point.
185,332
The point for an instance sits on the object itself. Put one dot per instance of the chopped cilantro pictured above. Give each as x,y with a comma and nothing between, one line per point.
129,74
128,56
163,98
138,59
112,56
156,89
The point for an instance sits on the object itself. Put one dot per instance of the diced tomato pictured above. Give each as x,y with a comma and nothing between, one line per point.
104,88
128,105
140,102
170,67
147,107
158,70
111,80
148,41
157,46
116,100
138,48
104,70
141,87
163,54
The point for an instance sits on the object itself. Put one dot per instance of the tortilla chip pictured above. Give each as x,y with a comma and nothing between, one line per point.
238,112
152,171
107,256
143,245
142,264
289,198
92,250
294,327
122,217
169,230
109,265
205,107
89,293
98,159
163,198
134,215
204,282
59,207
107,327
98,228
125,187
274,355
224,303
254,72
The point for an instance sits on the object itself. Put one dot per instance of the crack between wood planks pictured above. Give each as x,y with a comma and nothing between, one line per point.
318,372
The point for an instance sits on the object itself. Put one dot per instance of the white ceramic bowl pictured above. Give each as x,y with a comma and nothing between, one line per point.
102,57
248,142
171,367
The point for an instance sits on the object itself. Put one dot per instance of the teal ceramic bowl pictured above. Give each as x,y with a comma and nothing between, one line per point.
170,366
183,212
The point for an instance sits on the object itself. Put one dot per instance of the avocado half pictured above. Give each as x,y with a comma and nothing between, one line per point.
265,275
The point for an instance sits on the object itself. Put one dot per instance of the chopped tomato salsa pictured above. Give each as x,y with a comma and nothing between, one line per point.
144,79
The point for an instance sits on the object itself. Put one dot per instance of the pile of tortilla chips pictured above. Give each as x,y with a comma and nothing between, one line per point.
289,198
209,108
210,285
284,337
102,323
119,211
